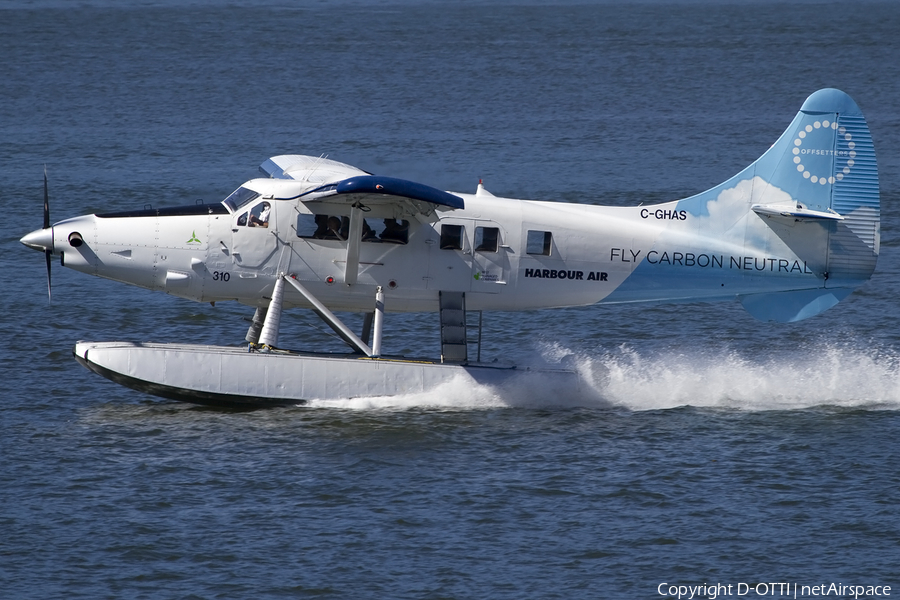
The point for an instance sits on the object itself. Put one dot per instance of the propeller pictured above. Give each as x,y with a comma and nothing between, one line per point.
42,239
47,251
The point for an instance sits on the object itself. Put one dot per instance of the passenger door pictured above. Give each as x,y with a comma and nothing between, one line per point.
450,256
490,257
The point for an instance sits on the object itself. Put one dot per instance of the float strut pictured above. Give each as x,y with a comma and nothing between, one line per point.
269,336
379,320
256,325
326,315
366,336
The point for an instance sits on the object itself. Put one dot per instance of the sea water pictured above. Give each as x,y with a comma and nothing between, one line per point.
708,448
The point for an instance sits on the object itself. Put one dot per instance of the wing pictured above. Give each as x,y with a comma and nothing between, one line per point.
332,182
372,189
311,169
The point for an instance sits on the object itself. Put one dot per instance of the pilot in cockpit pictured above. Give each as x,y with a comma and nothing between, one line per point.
260,218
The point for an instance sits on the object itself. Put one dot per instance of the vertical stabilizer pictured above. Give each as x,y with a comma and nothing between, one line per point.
790,235
825,162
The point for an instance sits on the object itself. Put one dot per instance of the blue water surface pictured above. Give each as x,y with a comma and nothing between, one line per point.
717,449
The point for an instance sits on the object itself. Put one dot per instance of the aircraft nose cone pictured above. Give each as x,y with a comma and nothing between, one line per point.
40,239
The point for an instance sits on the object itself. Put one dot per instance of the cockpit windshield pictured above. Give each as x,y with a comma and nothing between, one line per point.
238,198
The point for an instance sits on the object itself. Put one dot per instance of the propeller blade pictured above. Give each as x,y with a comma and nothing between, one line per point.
48,256
47,253
46,201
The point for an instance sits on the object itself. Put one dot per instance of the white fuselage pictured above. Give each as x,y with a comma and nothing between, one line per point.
789,236
589,253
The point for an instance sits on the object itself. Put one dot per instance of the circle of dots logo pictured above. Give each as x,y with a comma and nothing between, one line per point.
822,179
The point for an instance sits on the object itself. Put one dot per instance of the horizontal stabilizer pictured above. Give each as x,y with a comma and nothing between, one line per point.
795,213
788,307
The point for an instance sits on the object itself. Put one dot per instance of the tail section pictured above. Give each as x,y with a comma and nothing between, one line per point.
832,168
813,195
790,236
826,162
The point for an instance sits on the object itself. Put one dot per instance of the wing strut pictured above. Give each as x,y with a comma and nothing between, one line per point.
351,269
379,321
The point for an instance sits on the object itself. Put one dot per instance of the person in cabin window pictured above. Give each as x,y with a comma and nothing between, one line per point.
334,229
395,232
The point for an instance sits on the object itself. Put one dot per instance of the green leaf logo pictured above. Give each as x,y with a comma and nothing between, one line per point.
194,238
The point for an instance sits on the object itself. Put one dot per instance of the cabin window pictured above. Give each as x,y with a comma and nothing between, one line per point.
389,231
323,227
306,225
451,237
332,227
487,239
239,198
538,242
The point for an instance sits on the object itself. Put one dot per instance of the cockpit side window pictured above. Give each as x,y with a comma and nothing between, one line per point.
239,198
258,216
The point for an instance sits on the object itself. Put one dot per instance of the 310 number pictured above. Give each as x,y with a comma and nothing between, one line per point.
221,276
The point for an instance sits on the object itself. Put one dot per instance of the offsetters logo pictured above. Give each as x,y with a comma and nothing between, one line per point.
800,152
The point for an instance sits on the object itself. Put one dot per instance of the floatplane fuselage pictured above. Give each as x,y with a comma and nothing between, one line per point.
789,236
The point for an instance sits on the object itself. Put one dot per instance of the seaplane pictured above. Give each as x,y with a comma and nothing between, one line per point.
788,237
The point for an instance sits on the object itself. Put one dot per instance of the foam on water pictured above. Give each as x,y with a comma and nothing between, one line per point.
458,393
825,375
528,388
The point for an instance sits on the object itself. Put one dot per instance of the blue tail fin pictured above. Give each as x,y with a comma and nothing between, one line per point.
832,168
815,195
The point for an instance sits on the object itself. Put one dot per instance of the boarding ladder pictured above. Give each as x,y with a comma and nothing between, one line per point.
456,326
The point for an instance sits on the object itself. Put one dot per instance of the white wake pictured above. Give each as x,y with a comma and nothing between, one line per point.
823,376
832,376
